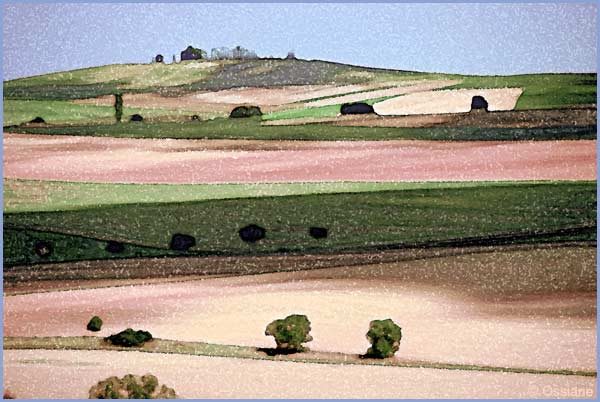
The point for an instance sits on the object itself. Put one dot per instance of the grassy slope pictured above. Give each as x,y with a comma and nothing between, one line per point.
355,220
541,91
35,195
62,112
248,352
222,128
125,76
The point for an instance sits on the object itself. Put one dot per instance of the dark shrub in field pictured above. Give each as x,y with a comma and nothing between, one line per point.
245,111
252,233
195,117
182,242
317,232
38,120
131,387
479,102
290,333
129,338
43,248
114,247
136,117
356,108
384,336
95,324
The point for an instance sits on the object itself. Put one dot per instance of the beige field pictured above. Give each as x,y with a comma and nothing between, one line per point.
512,308
70,374
407,87
222,102
279,95
447,101
123,160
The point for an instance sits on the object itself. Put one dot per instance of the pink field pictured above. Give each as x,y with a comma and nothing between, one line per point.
94,159
517,308
54,374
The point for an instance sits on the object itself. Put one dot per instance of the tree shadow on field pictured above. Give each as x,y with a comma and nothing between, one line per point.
277,352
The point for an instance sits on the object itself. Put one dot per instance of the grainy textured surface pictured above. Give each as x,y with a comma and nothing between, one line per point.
72,158
27,375
528,308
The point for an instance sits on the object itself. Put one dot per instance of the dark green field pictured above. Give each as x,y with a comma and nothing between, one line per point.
251,129
356,221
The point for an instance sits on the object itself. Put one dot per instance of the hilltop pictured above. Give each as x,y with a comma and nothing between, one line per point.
540,90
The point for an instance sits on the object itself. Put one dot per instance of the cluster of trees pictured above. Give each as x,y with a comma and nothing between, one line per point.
131,387
237,53
290,333
294,330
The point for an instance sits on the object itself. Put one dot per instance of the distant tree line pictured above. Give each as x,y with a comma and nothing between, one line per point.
238,52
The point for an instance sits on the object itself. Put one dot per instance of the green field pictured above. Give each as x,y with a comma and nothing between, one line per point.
251,129
62,112
356,221
36,195
541,91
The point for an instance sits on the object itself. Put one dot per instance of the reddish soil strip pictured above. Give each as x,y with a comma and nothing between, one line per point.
121,160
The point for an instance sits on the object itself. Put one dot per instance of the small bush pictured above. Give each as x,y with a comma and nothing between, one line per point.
136,117
384,336
131,387
290,333
95,324
245,111
317,232
114,247
195,117
129,338
38,120
43,248
252,233
182,242
356,108
479,102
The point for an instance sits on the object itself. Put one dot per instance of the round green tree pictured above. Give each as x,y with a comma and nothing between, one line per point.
95,324
290,333
384,336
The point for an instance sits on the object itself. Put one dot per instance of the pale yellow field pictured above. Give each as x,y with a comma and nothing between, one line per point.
448,101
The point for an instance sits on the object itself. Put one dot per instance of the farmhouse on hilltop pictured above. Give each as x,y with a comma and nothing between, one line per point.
192,53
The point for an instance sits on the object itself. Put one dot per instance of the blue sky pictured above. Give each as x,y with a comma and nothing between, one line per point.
455,38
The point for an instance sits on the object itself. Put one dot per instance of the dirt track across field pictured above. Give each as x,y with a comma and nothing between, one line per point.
95,159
